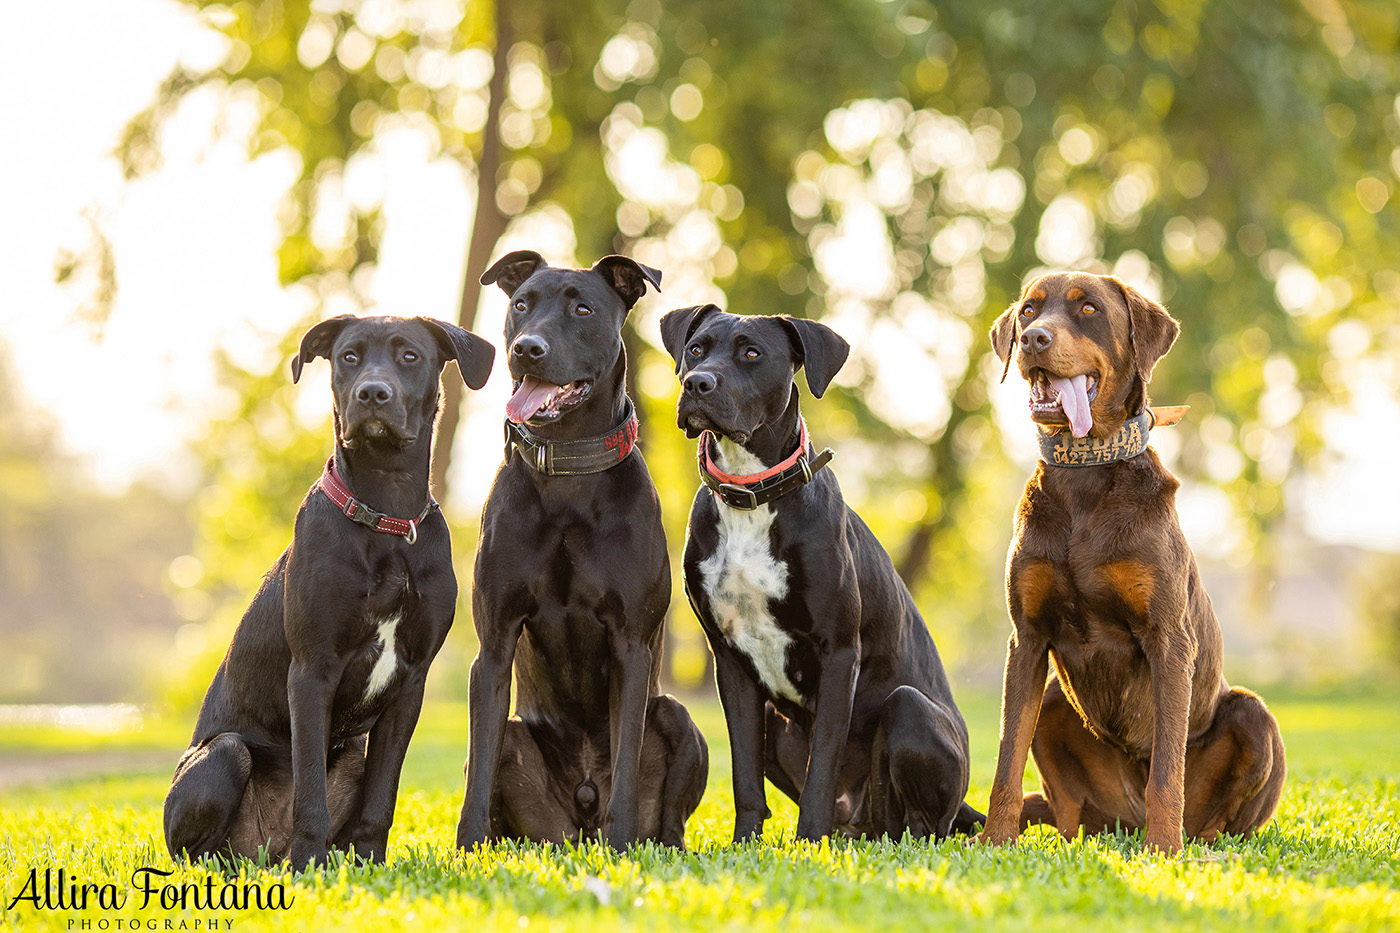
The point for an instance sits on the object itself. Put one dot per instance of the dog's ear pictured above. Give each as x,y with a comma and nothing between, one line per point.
820,350
318,342
473,354
627,277
1151,329
512,269
1003,332
678,325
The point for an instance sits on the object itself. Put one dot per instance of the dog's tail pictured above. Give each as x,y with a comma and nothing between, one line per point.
968,820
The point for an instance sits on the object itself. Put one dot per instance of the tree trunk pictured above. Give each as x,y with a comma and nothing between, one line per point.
488,225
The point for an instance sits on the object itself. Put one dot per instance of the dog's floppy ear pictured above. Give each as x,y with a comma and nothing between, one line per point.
473,354
627,277
1003,332
318,341
678,325
1003,336
820,350
512,269
1151,329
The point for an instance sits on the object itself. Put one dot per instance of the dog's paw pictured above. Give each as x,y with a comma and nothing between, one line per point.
991,837
1163,844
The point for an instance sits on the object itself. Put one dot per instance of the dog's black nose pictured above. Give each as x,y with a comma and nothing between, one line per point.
1035,339
529,345
700,383
374,393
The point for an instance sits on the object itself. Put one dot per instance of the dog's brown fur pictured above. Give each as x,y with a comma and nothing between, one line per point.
1139,729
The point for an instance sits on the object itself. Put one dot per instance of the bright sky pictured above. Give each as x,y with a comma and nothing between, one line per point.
195,252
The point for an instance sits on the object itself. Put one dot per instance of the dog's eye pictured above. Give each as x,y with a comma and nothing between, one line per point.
519,306
752,353
410,357
1028,310
350,356
1090,309
695,350
583,310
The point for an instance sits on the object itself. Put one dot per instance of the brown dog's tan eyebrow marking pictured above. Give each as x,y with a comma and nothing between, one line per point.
1074,294
1037,295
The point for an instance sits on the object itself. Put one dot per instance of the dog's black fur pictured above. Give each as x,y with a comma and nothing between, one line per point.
830,681
572,585
293,753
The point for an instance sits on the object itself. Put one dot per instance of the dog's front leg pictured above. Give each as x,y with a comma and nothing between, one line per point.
488,697
1023,689
311,684
388,743
745,717
1173,660
816,809
627,689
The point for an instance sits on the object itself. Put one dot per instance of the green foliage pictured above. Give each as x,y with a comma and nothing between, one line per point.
1328,860
896,169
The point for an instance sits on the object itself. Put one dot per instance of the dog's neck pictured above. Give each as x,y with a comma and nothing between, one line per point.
384,476
600,413
769,444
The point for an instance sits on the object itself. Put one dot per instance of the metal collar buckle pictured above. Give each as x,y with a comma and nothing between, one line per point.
751,500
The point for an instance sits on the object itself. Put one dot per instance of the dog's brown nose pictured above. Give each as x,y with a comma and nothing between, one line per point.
374,393
1035,339
700,383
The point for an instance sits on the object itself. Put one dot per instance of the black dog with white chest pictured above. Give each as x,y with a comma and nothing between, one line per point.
572,585
831,684
302,734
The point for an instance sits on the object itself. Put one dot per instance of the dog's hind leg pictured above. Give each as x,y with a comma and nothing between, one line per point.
1235,772
675,767
527,803
787,747
924,747
345,793
1085,782
205,797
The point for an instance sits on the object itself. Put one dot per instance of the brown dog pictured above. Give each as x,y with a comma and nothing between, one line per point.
1139,729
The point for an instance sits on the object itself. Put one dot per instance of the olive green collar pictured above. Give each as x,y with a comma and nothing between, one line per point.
1064,449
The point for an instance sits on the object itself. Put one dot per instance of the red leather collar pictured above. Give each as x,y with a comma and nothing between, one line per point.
334,488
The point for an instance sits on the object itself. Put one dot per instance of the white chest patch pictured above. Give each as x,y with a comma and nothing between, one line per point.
742,576
383,670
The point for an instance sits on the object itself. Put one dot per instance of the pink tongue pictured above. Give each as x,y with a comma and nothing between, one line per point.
1074,399
528,398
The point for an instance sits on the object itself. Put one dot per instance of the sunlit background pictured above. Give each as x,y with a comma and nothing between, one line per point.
185,187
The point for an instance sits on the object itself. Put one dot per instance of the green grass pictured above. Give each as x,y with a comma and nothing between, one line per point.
1328,861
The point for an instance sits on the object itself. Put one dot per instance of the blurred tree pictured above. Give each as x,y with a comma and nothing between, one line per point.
896,168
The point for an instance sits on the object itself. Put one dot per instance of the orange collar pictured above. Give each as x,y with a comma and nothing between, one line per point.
717,473
747,492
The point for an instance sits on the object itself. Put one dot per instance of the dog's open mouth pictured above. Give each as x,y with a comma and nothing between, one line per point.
1068,396
537,401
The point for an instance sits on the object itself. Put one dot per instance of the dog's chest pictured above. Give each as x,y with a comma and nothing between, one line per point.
742,579
387,664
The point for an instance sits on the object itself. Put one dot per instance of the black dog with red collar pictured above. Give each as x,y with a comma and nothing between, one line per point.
302,734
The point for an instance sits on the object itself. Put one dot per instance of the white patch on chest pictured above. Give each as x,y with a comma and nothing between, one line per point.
388,662
740,578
